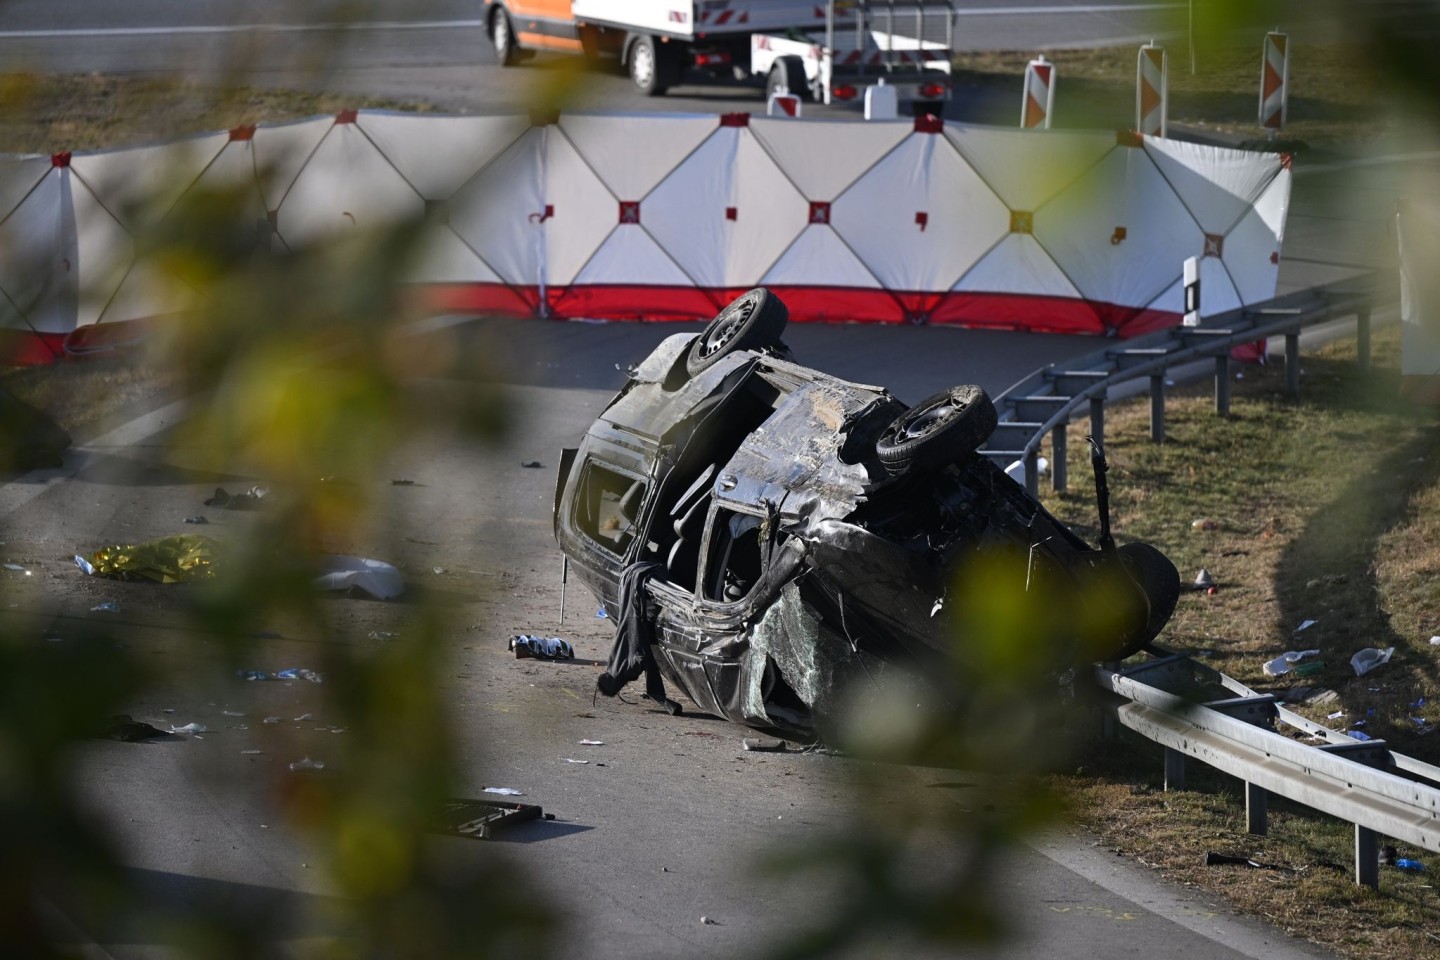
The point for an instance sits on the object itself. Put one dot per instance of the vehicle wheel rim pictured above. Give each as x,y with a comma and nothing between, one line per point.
643,65
717,339
927,422
502,36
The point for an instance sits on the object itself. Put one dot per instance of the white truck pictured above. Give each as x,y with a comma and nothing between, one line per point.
825,50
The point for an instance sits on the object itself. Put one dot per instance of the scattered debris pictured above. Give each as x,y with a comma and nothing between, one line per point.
1285,662
504,791
1370,658
1203,580
601,614
232,713
384,635
107,606
763,745
308,764
198,518
1336,715
402,482
289,673
1435,641
375,577
271,720
1213,859
531,464
304,717
573,760
1358,735
249,500
1413,866
708,922
592,743
1204,523
251,753
18,568
127,728
189,728
541,648
483,819
1306,625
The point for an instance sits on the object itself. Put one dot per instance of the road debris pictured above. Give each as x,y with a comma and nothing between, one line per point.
763,745
374,577
307,764
178,559
1368,659
197,519
126,728
1285,663
483,819
504,791
251,499
541,648
190,729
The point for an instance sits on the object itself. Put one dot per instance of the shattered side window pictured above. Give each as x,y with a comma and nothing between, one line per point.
608,506
736,561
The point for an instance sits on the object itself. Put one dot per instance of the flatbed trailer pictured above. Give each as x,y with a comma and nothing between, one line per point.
825,50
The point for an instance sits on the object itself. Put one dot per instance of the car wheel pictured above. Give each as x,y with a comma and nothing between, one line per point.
650,68
787,75
502,35
1159,581
939,430
752,321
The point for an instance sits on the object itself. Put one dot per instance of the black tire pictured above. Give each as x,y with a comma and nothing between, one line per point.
787,75
650,65
942,429
752,321
1159,581
502,37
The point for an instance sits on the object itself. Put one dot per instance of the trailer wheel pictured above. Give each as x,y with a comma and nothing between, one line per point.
502,35
651,67
787,75
752,321
938,430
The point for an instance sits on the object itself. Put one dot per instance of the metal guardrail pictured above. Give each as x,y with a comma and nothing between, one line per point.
1043,403
1195,711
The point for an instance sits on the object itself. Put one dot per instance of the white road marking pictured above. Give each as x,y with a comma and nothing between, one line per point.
1065,8
22,490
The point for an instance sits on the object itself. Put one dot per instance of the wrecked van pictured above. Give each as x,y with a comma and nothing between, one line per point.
766,536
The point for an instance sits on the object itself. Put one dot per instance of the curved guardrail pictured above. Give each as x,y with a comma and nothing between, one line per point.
1193,710
1044,402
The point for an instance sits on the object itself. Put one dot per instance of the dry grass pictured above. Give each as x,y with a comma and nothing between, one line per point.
67,112
1335,90
1326,510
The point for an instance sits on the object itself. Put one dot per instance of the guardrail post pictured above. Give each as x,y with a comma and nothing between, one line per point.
1257,809
1059,445
1367,857
1292,364
1032,472
1097,419
1362,338
1174,769
1222,385
1157,408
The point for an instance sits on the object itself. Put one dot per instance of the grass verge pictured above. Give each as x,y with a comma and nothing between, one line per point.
1322,507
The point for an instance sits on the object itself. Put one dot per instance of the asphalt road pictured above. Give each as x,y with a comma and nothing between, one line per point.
194,817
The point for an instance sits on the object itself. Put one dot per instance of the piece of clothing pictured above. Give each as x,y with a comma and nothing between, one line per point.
634,636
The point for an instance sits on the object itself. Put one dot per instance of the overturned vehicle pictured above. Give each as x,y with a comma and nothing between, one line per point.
766,537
